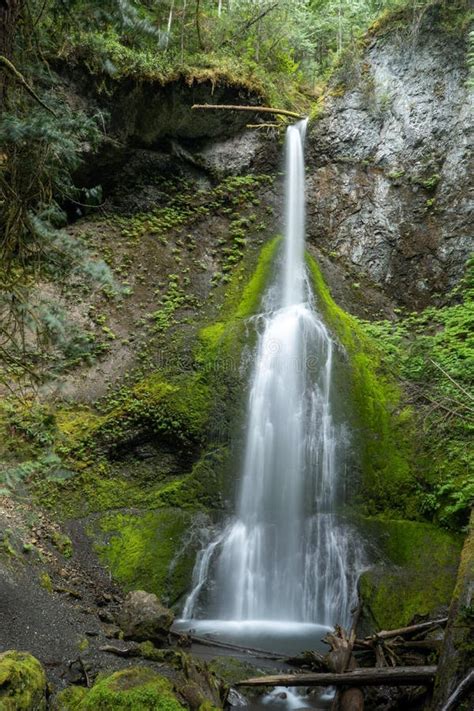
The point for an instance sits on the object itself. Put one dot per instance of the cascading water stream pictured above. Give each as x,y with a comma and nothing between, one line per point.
286,557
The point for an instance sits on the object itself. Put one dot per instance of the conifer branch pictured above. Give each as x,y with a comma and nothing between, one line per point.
19,76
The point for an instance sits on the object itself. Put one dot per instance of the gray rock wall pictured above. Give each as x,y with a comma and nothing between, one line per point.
388,164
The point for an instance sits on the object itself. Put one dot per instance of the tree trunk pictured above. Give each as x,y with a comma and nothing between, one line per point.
456,658
198,25
10,11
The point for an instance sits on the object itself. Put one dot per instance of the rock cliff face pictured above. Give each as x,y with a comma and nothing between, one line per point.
388,162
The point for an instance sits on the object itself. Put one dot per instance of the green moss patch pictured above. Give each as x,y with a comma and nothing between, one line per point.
242,300
232,670
69,699
134,689
145,551
22,682
175,409
418,577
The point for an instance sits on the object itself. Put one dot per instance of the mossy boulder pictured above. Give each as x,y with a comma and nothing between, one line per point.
233,670
133,689
146,550
417,577
196,683
22,682
142,617
69,699
141,688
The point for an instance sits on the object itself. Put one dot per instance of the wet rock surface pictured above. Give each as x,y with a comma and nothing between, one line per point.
388,164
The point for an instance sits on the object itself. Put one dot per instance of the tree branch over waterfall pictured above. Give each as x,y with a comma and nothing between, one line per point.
253,109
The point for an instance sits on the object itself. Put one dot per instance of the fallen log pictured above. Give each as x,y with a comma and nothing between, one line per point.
412,629
394,676
362,645
253,109
210,642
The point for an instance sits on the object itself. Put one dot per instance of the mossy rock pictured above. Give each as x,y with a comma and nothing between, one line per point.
233,670
418,577
133,689
457,656
143,551
196,682
143,617
170,410
22,682
69,699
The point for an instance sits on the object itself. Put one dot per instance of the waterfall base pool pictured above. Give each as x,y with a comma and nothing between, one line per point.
287,638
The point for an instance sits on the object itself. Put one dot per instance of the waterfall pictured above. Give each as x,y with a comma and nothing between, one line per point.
287,557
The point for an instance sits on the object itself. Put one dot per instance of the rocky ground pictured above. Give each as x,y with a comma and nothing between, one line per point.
60,605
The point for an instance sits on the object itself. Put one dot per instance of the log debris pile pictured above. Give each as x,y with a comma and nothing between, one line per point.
400,657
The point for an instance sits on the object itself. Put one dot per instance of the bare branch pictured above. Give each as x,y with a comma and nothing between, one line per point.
19,76
253,109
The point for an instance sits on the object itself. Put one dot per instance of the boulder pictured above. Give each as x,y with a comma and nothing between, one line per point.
22,682
143,617
132,688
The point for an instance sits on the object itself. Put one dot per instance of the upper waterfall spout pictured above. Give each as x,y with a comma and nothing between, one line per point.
293,269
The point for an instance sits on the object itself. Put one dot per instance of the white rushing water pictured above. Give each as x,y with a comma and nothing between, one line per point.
287,556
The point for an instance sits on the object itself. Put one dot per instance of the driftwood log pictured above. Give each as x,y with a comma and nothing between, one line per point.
412,629
374,676
253,109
